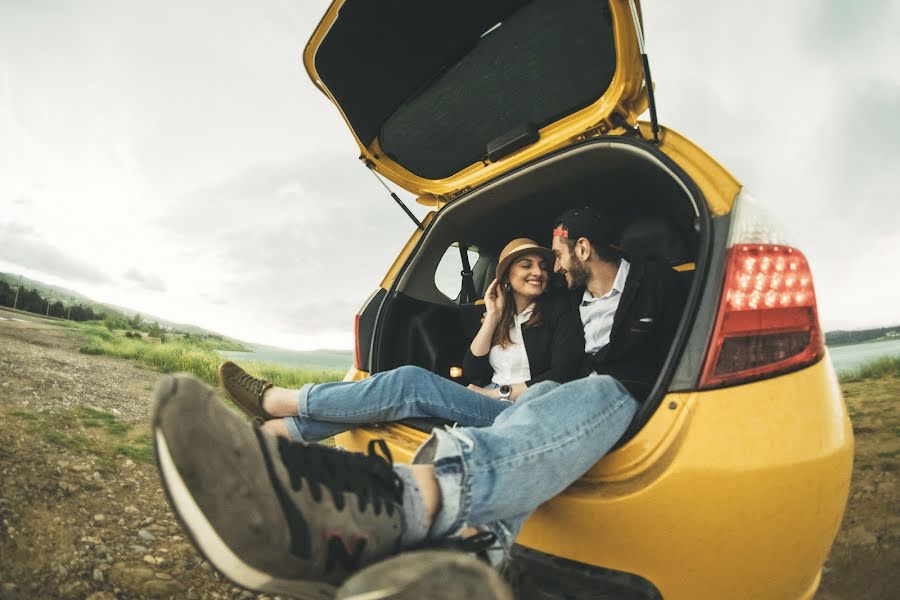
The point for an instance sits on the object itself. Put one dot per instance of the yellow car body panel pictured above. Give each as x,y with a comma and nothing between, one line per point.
718,185
740,489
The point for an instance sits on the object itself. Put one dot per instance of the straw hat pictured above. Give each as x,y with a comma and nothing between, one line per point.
519,247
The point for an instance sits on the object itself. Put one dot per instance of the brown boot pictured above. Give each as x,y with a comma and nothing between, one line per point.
245,389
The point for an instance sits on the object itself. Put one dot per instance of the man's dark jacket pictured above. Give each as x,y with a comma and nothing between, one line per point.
643,327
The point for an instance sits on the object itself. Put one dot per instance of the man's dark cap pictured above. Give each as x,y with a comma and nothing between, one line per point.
588,223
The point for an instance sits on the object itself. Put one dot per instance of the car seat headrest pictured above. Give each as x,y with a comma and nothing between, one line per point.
654,238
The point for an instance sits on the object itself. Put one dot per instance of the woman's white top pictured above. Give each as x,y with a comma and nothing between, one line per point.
510,364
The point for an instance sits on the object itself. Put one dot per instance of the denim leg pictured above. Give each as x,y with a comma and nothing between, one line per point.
306,430
494,477
326,409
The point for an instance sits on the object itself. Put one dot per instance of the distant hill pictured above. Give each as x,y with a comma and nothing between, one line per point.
844,338
322,359
67,296
45,289
192,329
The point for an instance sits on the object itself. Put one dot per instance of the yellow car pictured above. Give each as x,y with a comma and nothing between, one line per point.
733,478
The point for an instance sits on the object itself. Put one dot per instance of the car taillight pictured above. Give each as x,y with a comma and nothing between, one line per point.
767,321
357,357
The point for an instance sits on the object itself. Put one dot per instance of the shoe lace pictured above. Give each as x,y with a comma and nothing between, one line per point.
251,383
477,544
370,477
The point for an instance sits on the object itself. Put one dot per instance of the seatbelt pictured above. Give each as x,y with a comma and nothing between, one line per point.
467,288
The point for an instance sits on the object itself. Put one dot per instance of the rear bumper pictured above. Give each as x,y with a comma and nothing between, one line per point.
736,492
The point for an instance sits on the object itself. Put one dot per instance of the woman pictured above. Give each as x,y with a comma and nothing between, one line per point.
524,338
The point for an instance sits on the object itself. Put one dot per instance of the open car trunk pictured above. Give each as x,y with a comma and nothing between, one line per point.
659,211
443,96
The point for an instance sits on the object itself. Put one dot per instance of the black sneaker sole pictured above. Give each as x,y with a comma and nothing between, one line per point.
432,574
202,533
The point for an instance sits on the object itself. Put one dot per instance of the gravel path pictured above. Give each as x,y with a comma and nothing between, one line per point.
74,525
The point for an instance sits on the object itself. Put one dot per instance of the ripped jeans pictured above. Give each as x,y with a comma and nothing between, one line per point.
503,460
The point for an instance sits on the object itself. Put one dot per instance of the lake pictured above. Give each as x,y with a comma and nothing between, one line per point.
338,360
846,358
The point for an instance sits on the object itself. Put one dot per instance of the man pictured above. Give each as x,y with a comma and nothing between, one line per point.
281,516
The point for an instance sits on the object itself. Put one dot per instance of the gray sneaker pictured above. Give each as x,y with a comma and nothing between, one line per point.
431,574
270,514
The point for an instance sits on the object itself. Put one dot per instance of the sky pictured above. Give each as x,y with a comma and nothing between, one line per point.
174,158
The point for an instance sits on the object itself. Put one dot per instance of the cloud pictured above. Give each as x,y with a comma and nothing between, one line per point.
798,101
19,245
14,228
271,223
295,245
145,280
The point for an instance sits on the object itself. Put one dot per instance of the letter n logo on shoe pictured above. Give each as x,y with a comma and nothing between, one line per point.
346,552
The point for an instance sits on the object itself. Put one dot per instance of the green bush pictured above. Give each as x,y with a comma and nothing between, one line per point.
195,356
112,322
886,366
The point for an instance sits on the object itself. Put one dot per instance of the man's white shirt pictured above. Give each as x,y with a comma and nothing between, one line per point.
597,314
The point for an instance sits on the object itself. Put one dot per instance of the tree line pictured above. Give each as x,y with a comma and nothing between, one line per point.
843,338
30,300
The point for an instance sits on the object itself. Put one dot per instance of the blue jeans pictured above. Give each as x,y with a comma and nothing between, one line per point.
494,477
327,409
505,460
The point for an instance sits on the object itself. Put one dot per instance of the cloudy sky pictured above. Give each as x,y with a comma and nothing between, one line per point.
174,158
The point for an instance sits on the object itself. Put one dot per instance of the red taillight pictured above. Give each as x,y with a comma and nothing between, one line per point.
767,321
357,357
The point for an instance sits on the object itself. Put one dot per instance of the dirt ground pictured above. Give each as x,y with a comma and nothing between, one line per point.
82,514
865,558
80,520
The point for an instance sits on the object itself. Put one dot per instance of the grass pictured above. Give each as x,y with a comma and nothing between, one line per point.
70,441
91,417
196,356
87,430
886,366
143,454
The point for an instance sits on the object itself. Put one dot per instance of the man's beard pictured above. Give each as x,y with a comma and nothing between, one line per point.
578,273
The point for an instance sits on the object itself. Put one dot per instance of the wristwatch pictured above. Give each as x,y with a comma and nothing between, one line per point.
505,391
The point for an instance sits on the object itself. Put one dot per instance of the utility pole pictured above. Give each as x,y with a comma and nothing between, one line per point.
16,301
69,313
47,312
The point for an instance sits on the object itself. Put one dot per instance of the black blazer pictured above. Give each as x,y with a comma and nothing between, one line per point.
643,327
555,348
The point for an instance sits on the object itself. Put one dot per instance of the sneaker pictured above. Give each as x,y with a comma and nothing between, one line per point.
432,574
269,514
245,389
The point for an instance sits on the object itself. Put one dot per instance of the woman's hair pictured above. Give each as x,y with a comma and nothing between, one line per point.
507,317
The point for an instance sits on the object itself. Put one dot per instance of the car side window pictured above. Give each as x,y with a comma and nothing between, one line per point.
447,276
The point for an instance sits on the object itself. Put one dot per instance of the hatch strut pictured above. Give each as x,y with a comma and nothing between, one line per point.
408,212
648,80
